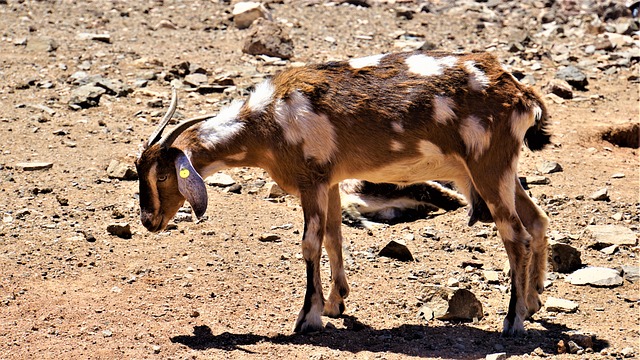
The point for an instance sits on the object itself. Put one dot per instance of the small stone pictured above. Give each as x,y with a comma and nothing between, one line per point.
549,167
464,306
268,38
453,282
156,349
492,277
564,258
268,237
496,356
165,24
105,38
86,96
196,79
600,195
34,166
122,230
274,191
609,250
560,305
537,180
574,77
631,272
627,352
581,339
122,171
595,276
246,12
396,249
618,176
220,180
107,333
426,313
560,88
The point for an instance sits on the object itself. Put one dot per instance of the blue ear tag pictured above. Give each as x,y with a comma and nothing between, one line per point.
184,173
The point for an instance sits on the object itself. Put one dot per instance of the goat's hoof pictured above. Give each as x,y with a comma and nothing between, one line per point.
333,309
308,323
533,304
513,330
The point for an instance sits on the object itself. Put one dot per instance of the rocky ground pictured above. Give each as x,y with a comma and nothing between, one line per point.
84,83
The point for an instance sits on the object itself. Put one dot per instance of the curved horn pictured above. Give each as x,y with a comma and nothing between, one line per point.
173,134
165,120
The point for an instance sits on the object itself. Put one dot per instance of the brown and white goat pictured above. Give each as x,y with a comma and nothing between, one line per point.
398,118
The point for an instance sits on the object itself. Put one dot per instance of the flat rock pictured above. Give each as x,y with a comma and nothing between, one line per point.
396,249
122,171
106,38
560,305
607,235
269,237
596,276
492,277
33,166
220,180
564,258
122,230
536,180
549,167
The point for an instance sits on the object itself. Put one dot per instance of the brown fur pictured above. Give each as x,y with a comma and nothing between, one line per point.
378,123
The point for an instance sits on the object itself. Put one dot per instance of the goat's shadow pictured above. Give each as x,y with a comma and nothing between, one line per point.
457,341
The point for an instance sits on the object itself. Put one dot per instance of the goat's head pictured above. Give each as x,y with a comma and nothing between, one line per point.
167,176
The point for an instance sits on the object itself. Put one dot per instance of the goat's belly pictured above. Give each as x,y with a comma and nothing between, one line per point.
411,170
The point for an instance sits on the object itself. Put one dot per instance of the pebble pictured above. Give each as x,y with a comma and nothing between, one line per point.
105,38
274,191
156,349
596,276
560,305
269,237
122,171
627,352
122,230
600,195
492,277
34,166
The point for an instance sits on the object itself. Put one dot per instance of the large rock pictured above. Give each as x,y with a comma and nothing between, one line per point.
607,235
596,276
267,38
396,249
564,258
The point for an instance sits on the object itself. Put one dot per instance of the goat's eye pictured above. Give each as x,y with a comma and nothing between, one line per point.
162,177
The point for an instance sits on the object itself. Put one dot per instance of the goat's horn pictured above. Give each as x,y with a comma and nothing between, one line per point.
165,120
173,134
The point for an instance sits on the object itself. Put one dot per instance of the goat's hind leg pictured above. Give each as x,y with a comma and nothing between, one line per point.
314,205
536,222
334,306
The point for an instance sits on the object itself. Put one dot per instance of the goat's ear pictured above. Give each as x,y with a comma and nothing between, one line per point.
191,185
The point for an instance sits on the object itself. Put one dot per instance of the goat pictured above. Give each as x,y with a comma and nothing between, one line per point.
398,118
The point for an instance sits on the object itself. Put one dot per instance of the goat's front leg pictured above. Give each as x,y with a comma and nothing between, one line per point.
314,205
334,306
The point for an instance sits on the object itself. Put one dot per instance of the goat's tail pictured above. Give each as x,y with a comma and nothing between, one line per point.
538,135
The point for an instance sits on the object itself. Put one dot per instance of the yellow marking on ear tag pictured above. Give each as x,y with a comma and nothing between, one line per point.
184,173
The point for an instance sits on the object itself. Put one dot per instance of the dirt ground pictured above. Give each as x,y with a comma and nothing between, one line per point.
71,290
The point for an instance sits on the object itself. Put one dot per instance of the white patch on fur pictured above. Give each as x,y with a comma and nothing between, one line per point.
261,96
521,122
475,136
443,109
301,124
478,80
396,146
373,60
537,113
397,127
223,127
